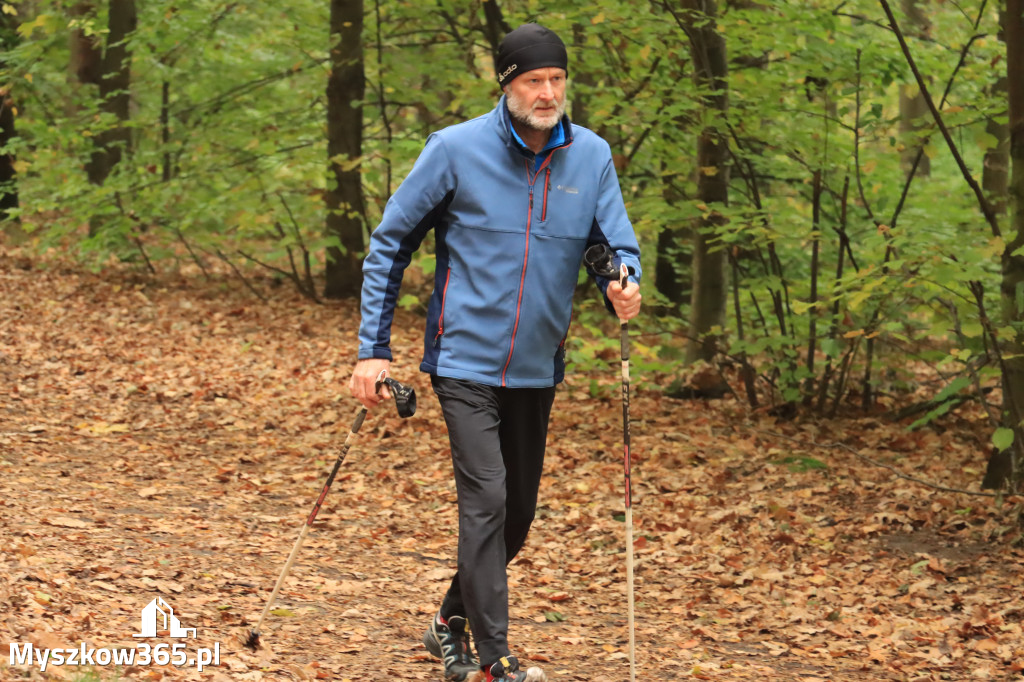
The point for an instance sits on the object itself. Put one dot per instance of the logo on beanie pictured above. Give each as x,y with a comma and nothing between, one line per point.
509,70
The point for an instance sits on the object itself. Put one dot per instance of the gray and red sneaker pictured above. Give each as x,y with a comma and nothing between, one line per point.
507,670
449,641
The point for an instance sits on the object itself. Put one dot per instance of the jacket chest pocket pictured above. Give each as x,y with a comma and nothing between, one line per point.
565,210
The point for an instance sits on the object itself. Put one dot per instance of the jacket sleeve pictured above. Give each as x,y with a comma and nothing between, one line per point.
612,227
416,206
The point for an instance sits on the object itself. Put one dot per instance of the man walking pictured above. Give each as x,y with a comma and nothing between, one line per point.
514,198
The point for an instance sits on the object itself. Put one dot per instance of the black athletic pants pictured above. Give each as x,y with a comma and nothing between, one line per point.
497,437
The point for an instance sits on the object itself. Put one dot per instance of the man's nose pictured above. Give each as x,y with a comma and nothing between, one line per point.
547,92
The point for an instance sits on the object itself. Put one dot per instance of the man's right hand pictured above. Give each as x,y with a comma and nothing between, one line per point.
364,379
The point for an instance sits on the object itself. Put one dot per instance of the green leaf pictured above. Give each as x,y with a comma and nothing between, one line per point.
932,415
408,301
952,388
985,139
1002,438
800,464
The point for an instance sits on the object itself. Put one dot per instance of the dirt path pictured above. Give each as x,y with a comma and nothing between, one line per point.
166,439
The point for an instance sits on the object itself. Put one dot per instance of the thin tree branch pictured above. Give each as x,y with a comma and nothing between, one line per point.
986,208
238,273
949,86
195,258
856,147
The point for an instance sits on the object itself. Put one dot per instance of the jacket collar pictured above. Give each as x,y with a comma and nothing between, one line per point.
504,122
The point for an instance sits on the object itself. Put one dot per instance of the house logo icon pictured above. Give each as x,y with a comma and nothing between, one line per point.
158,615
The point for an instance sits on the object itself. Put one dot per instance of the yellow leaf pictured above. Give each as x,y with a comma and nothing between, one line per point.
996,246
67,522
10,9
28,77
854,334
710,171
597,18
104,427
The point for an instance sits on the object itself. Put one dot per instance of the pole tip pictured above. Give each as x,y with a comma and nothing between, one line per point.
252,642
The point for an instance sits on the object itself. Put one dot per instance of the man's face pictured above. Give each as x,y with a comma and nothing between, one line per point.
536,99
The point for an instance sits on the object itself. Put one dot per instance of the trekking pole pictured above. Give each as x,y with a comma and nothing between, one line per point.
405,401
599,258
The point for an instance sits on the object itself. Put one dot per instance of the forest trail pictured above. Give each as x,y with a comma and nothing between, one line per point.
167,438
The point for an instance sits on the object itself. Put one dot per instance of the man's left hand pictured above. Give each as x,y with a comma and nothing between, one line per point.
625,301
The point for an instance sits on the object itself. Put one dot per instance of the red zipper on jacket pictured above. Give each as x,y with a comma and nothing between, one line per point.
440,319
544,208
522,278
532,180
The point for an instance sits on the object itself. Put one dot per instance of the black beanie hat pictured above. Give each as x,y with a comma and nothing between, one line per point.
531,46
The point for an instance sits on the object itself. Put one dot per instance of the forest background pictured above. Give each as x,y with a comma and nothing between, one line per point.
829,196
824,191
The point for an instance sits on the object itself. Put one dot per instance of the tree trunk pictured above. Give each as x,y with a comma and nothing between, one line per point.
108,67
709,296
114,81
914,114
1013,264
346,86
86,55
8,174
995,175
495,28
674,255
670,277
581,78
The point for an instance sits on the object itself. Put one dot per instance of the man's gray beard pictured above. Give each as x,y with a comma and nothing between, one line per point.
525,116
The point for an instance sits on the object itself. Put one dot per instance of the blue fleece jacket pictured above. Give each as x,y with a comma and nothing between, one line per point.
510,238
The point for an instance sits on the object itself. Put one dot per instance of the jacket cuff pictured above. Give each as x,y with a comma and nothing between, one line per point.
375,353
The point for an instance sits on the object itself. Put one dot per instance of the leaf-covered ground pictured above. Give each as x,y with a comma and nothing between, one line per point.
167,437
